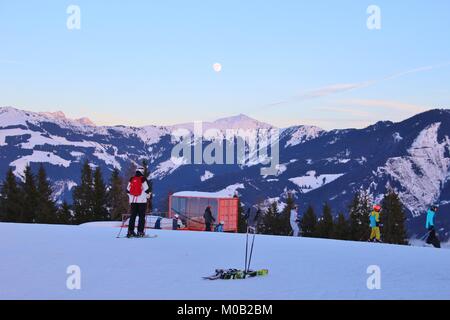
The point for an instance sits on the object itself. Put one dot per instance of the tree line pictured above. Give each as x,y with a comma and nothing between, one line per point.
31,199
356,227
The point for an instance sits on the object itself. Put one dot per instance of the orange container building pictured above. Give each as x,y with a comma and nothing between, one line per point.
191,205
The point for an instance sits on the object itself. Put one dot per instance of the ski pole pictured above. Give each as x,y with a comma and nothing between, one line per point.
424,236
121,227
251,253
246,252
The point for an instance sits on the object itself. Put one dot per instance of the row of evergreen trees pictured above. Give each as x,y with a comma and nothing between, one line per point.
31,200
355,228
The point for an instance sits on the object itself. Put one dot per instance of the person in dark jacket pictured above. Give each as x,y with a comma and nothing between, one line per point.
138,193
209,219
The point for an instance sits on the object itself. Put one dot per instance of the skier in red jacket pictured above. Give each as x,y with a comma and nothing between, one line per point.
138,192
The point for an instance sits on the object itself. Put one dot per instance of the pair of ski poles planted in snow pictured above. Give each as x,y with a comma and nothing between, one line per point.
248,257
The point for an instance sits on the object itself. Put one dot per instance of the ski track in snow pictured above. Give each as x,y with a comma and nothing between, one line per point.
171,266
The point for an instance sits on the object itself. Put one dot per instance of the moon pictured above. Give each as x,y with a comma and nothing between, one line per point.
217,67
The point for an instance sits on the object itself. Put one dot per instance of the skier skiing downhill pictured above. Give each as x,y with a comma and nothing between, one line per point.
294,221
209,218
375,224
432,238
138,193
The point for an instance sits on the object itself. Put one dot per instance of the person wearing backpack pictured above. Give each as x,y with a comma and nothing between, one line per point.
209,219
138,193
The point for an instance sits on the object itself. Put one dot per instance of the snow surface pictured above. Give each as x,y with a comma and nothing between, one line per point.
171,266
313,181
208,175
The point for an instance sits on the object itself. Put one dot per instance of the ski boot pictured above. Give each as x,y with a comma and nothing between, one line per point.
131,234
141,234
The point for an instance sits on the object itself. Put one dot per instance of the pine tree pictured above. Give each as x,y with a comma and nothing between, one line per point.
309,223
341,228
30,196
100,209
393,219
270,221
64,214
325,224
360,210
117,197
10,199
242,224
46,207
83,197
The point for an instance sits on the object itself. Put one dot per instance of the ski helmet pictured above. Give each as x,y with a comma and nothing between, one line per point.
176,216
222,222
140,170
377,208
434,208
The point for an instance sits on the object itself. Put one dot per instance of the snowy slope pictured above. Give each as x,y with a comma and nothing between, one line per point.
171,266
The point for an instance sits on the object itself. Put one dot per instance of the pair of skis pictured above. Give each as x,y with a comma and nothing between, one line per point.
233,274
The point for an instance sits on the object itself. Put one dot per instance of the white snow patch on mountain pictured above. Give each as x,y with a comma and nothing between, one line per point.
206,176
38,157
302,134
397,137
167,167
269,201
423,173
61,186
313,181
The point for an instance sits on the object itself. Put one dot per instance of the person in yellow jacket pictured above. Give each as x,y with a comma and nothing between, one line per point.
375,224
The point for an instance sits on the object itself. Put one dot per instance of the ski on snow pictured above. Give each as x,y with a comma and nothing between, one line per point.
235,274
144,237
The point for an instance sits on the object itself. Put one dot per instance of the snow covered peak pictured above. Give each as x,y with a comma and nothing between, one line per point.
301,134
60,116
10,116
57,115
86,122
240,121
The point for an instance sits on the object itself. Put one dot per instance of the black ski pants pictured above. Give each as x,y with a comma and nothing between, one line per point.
137,209
432,239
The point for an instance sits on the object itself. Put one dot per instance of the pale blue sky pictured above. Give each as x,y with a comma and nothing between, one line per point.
284,62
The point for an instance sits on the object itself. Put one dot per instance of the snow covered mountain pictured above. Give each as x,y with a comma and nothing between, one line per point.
315,165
